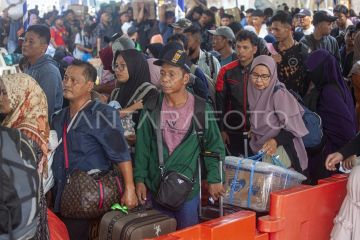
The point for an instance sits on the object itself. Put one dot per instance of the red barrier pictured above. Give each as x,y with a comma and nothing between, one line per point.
304,212
240,225
300,213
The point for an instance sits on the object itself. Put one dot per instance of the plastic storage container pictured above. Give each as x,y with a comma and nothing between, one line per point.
249,183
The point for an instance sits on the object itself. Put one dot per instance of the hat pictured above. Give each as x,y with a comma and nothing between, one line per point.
181,23
131,30
122,43
106,56
304,12
175,57
322,16
115,36
223,31
257,13
155,49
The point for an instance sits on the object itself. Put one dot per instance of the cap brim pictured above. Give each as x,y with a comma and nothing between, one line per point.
213,32
160,62
174,25
302,15
332,18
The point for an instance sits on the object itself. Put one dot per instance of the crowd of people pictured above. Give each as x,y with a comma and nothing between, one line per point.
103,85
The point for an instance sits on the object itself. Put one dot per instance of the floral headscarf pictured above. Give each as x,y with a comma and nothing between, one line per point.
29,112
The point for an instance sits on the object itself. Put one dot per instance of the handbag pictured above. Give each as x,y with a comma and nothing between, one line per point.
85,195
90,196
174,187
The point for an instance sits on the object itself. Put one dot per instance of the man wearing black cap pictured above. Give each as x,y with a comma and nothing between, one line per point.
321,38
305,17
174,111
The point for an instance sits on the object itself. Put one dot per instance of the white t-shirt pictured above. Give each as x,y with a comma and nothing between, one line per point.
308,31
83,41
263,31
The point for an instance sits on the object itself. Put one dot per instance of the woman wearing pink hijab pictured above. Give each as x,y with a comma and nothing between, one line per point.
276,120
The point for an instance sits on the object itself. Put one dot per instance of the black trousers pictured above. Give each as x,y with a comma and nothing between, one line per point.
78,229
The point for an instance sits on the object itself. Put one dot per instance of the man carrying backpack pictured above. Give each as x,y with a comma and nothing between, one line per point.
169,142
207,62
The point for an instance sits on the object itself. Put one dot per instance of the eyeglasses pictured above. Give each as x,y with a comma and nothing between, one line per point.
119,67
263,77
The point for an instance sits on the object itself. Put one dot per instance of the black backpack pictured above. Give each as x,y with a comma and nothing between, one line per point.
19,186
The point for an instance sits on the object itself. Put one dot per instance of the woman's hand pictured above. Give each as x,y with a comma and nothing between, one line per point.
137,105
269,147
332,160
348,163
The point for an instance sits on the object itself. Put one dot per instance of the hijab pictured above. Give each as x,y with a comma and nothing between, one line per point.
29,110
138,69
262,104
325,69
347,222
106,56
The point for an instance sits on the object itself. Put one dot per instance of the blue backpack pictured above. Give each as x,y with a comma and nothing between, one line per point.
312,122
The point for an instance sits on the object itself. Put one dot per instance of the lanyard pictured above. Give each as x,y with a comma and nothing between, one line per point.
66,129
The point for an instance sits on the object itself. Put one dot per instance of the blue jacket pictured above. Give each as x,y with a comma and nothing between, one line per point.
46,72
95,141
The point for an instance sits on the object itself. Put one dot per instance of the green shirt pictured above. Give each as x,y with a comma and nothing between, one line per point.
185,157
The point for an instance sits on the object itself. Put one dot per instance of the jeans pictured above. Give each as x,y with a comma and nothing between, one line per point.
186,216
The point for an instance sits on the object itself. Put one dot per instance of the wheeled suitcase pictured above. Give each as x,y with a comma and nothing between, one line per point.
116,225
204,212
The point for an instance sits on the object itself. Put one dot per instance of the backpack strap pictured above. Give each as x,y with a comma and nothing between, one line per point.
141,92
199,117
277,87
212,66
193,69
114,94
210,62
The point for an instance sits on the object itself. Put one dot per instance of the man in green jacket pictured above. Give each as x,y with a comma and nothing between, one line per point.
181,145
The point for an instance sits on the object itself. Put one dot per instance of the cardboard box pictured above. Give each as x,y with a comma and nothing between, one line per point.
149,6
78,9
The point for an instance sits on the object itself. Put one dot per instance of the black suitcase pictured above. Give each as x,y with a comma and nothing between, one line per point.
116,225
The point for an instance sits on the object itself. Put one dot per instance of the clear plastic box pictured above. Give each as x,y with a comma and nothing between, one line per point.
250,186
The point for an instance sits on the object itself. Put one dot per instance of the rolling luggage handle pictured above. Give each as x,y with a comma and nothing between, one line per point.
217,156
246,144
